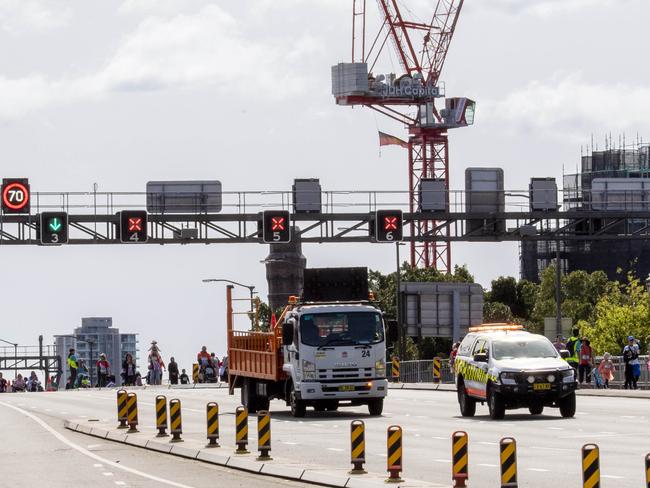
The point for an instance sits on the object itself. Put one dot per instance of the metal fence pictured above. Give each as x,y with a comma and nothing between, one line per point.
422,371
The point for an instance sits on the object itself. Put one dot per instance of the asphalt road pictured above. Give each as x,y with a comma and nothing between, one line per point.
548,446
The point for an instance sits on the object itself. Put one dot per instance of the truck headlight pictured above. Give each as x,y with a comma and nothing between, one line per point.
508,378
380,367
568,376
308,370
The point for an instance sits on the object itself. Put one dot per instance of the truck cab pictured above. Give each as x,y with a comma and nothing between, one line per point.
335,354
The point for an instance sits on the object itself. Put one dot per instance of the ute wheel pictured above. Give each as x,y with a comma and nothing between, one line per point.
466,403
248,396
375,407
536,409
496,405
298,407
568,405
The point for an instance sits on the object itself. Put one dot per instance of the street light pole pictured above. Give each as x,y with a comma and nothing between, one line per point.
251,289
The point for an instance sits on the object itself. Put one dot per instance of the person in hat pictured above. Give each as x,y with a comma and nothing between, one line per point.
103,370
632,366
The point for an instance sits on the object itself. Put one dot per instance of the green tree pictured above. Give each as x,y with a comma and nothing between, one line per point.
496,312
518,296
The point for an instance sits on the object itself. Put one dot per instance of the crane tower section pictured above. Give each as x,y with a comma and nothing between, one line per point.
421,48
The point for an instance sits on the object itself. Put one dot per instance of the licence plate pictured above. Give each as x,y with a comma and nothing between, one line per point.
346,388
541,386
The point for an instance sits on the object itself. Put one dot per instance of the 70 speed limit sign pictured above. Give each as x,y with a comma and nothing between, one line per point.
15,196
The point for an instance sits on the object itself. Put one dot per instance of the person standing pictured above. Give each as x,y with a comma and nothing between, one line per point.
172,369
559,343
185,380
606,369
573,345
631,359
156,364
3,384
586,361
72,364
103,370
128,370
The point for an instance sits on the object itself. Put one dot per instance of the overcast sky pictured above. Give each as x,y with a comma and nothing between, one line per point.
122,92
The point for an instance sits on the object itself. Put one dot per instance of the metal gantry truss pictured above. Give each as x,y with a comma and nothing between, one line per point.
345,217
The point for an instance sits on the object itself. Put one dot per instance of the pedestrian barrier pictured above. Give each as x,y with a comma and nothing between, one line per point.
437,370
212,410
132,412
459,456
508,458
395,368
241,430
161,415
176,421
358,446
590,466
394,457
195,373
122,411
264,435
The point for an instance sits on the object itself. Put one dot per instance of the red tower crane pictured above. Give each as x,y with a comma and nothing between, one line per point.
421,49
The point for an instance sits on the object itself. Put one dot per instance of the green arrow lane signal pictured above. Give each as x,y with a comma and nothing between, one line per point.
55,224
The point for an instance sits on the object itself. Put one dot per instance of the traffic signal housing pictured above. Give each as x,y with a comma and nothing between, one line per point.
133,226
16,198
276,226
388,226
53,228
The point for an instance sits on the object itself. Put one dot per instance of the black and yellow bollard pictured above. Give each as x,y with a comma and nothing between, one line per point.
161,415
175,420
395,368
647,470
241,428
264,435
358,446
437,370
195,373
132,412
459,456
213,424
122,411
508,462
590,466
394,454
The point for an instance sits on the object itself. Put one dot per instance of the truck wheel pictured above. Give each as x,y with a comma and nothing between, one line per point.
332,406
375,407
298,407
465,402
496,405
248,396
568,405
319,407
536,409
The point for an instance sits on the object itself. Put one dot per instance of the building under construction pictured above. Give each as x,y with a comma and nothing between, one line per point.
616,180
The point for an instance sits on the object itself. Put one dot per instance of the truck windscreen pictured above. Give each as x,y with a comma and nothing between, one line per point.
338,329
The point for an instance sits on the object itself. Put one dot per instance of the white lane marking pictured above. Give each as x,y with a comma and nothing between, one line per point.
120,483
448,461
289,443
439,438
612,477
489,465
98,465
485,443
538,470
381,454
628,417
555,428
107,473
48,409
335,449
93,446
92,455
552,448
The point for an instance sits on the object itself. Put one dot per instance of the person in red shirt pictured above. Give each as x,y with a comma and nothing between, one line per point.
103,370
586,361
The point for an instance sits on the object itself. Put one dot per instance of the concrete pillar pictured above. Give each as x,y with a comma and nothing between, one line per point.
285,267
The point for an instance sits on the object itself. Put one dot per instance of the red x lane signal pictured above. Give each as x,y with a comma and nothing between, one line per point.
135,224
277,224
388,226
390,223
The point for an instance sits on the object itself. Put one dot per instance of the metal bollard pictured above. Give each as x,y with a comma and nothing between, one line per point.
264,435
122,411
176,421
395,373
394,458
459,456
437,368
647,470
195,373
161,415
508,458
590,466
132,412
212,410
241,427
358,446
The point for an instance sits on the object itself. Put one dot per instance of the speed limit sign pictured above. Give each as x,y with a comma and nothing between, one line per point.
15,196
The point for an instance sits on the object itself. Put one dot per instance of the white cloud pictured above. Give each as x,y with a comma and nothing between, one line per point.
204,48
568,106
546,8
20,16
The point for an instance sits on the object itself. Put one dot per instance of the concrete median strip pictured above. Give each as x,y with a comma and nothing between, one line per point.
212,456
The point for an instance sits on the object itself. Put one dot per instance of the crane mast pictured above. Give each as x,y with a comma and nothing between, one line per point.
421,48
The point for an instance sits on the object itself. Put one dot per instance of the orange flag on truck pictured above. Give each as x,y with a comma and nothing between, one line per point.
274,321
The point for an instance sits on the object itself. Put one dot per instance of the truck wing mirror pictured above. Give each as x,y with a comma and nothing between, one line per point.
287,333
